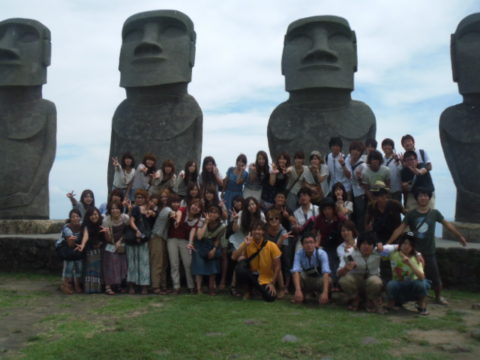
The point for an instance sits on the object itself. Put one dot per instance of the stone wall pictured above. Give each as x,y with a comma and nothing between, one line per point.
29,253
459,268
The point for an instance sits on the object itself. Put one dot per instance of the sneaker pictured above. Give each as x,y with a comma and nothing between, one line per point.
441,301
423,311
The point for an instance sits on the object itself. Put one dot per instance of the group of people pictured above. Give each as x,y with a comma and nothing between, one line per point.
334,224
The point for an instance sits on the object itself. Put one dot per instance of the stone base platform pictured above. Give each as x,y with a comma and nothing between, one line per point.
29,253
471,231
13,227
459,266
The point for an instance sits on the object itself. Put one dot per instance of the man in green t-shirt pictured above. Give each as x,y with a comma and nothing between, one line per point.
421,221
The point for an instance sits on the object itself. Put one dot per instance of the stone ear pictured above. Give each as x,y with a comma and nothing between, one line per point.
354,41
192,49
453,57
47,52
283,54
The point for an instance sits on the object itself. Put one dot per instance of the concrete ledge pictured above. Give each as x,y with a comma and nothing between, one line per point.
459,267
471,231
31,226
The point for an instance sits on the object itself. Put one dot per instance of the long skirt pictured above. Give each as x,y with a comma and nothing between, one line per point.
93,271
114,268
138,264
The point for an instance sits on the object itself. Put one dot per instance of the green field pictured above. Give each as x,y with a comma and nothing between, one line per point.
38,322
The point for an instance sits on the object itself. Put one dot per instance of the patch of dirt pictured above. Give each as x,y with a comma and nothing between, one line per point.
437,337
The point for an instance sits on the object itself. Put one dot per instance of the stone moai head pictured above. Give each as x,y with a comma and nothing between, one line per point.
25,51
465,53
319,52
158,48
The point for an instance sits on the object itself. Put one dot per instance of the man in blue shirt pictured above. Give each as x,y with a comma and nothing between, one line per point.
311,271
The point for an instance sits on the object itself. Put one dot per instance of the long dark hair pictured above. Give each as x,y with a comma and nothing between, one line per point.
189,177
82,197
87,223
188,197
127,156
153,168
208,177
216,200
171,164
262,171
247,218
286,157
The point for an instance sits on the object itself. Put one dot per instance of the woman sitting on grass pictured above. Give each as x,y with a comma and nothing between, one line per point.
408,279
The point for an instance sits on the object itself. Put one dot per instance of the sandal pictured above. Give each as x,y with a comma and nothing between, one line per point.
354,304
109,291
234,292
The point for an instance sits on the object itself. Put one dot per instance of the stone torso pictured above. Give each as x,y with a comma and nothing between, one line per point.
460,138
171,129
309,126
27,141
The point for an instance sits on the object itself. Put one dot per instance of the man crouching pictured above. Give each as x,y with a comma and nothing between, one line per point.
311,271
258,263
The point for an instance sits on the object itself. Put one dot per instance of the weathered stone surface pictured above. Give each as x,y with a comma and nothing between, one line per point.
158,115
14,227
460,124
319,69
459,268
27,122
471,231
29,253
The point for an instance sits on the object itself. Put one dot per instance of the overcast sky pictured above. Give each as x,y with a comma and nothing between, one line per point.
404,75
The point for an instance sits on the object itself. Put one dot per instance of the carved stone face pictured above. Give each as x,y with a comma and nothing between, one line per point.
24,52
465,52
158,48
319,52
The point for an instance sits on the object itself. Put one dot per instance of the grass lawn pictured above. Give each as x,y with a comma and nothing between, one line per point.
38,322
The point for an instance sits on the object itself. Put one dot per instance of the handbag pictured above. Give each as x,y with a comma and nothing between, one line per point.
130,236
144,227
242,269
67,253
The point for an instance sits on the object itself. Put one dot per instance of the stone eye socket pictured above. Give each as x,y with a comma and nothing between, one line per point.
28,36
134,34
173,31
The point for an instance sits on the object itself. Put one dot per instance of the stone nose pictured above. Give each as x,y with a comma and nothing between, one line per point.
320,50
150,44
8,50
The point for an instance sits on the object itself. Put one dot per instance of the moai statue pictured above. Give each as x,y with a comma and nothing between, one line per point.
28,123
460,124
318,62
158,116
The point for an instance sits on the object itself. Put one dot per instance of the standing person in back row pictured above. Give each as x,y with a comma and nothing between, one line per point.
408,143
336,165
414,176
421,222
